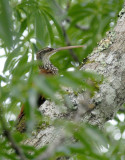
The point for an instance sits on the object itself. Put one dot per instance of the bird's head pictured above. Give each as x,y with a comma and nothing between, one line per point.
44,56
45,53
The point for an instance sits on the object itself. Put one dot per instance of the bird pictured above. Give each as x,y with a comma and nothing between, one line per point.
46,68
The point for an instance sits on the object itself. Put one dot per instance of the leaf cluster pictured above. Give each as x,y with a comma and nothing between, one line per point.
27,26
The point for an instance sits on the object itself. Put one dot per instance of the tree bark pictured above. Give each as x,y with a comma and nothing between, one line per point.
105,103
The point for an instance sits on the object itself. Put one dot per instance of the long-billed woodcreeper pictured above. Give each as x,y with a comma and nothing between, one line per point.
46,68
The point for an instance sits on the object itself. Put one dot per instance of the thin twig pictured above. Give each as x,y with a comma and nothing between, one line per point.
83,28
68,4
14,145
69,44
10,138
58,6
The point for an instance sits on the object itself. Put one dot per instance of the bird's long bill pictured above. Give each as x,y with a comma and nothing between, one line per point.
68,47
64,48
51,52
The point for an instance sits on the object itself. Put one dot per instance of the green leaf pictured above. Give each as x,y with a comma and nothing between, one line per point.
40,29
39,151
97,16
51,35
56,24
23,26
45,86
21,63
10,57
6,23
78,79
2,79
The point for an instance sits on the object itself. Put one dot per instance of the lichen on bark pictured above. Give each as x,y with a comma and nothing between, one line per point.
109,62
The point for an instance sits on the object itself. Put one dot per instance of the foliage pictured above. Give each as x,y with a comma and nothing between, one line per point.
26,26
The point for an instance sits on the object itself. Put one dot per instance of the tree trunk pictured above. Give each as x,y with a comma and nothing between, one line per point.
110,62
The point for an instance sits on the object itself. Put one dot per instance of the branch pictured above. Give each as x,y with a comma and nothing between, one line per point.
14,145
111,96
68,43
10,138
61,138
